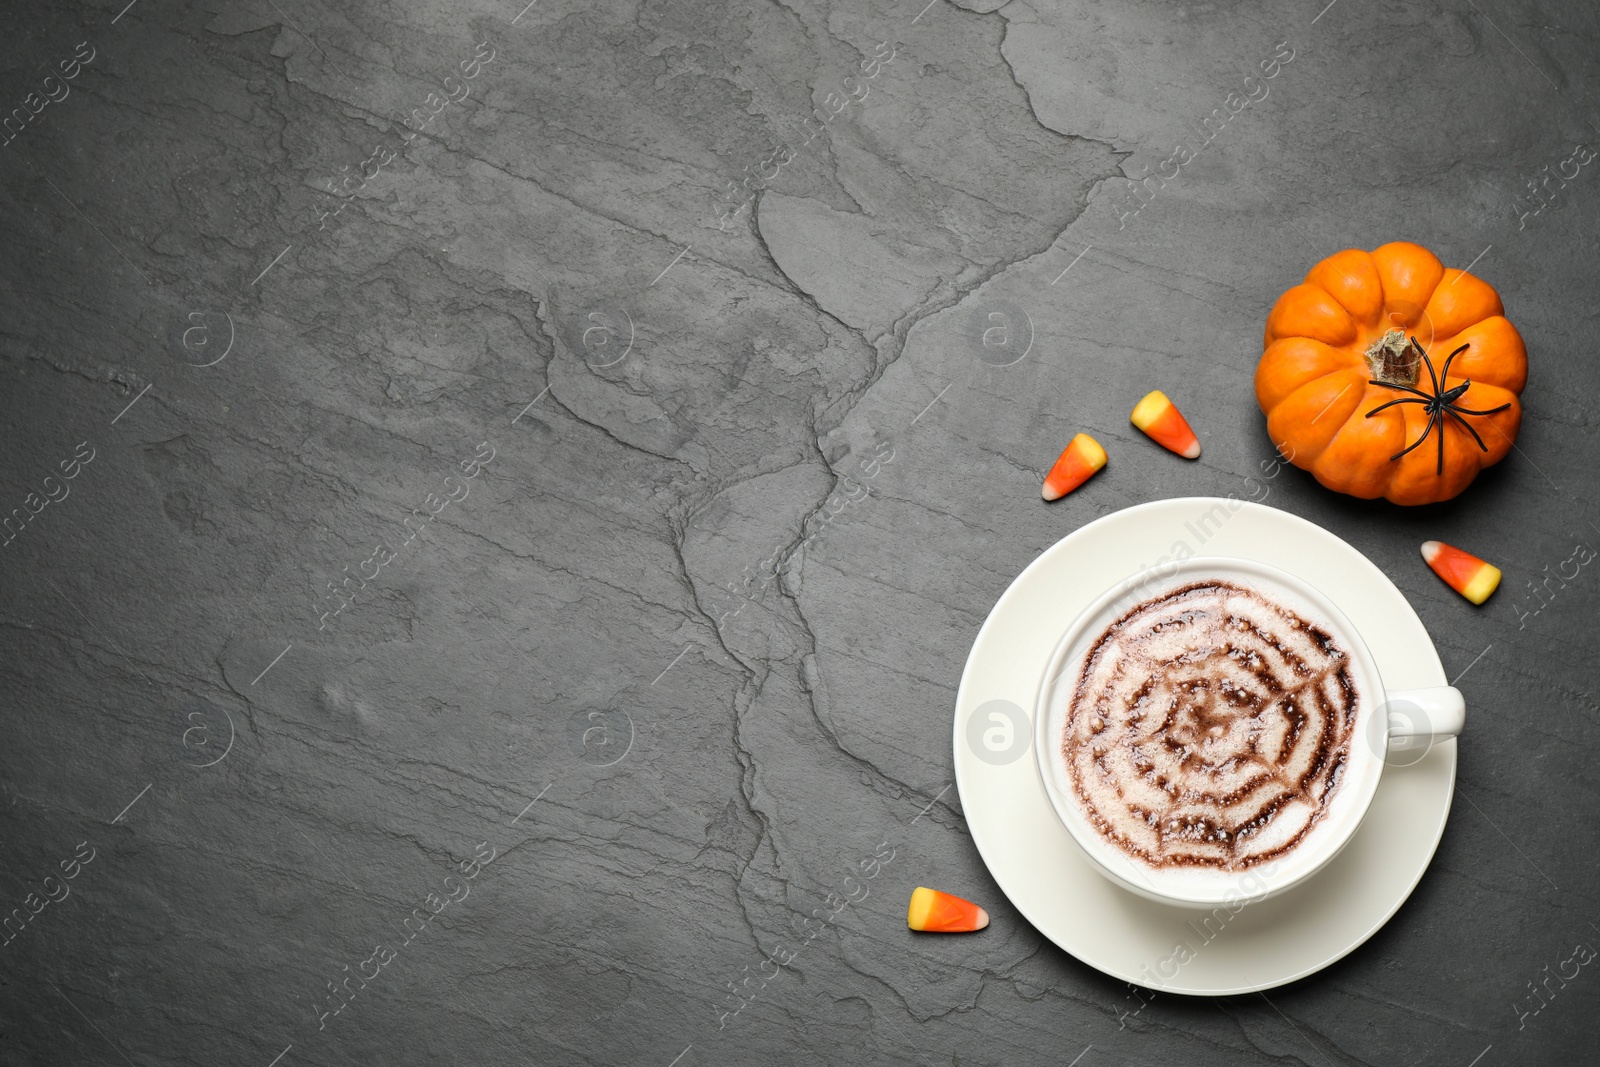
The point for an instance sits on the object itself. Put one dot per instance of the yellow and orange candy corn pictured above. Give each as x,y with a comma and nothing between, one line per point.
941,913
1160,418
1462,571
1080,459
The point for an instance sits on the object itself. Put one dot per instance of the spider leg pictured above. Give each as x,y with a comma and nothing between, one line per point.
1469,411
1427,430
1402,388
1439,469
1468,426
1445,374
1429,363
1392,403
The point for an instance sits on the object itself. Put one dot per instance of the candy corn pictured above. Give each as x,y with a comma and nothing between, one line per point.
941,913
1081,458
1462,571
1160,418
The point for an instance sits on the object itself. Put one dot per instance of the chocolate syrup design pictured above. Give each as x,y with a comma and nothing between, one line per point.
1209,728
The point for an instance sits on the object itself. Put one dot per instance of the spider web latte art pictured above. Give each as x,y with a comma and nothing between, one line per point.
1209,727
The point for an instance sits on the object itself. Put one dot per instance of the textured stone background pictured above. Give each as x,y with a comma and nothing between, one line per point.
673,407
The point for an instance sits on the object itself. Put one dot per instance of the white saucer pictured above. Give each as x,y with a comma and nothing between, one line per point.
1050,880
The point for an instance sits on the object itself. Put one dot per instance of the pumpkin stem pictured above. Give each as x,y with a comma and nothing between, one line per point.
1391,360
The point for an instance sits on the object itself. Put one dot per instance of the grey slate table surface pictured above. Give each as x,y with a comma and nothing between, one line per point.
285,324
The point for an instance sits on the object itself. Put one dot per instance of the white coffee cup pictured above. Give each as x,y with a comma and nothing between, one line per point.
1387,722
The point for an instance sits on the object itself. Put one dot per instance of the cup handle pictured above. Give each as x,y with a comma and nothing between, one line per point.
1420,717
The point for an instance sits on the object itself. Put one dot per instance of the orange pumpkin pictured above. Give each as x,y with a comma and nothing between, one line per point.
1386,374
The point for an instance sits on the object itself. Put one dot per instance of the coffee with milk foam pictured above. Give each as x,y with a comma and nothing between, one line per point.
1209,727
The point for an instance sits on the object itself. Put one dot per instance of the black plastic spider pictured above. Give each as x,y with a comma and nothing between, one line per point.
1440,403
